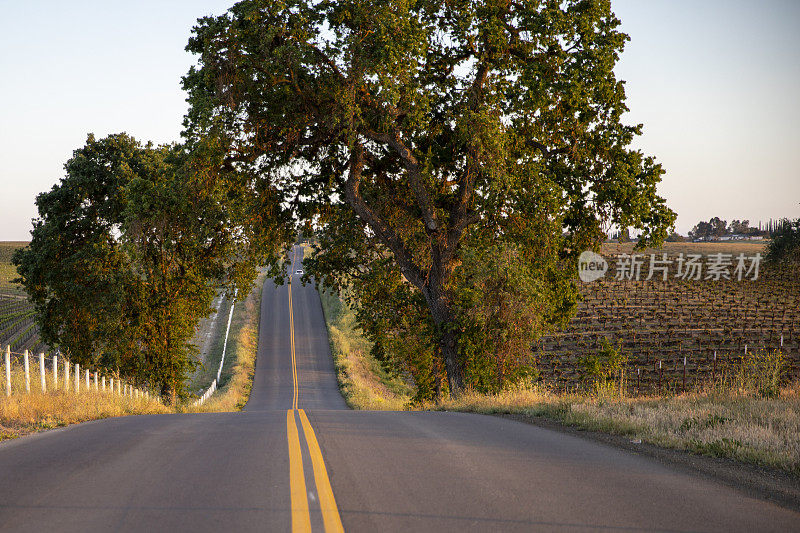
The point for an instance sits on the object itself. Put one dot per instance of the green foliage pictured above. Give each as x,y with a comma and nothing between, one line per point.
716,228
758,372
124,259
785,244
713,229
693,423
724,447
504,303
408,136
604,371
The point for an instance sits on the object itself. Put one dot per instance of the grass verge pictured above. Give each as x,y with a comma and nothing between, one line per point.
21,414
761,431
362,380
236,379
207,371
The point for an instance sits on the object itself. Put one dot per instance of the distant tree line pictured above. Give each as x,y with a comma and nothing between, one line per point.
716,229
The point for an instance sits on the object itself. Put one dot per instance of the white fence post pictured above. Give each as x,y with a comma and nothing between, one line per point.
8,370
55,372
95,381
42,372
87,381
119,386
27,366
77,378
103,381
66,375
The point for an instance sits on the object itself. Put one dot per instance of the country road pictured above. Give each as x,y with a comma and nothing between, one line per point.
297,458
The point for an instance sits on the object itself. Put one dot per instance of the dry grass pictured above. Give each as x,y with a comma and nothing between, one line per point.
764,431
239,368
674,248
23,413
364,384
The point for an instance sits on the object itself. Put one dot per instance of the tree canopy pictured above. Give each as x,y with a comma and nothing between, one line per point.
452,158
126,255
784,247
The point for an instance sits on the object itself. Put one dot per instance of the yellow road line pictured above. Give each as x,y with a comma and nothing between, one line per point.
295,383
330,513
301,519
295,387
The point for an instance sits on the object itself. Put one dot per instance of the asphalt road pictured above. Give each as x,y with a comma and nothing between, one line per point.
296,457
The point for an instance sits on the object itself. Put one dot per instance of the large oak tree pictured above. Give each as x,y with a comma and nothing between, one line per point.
420,135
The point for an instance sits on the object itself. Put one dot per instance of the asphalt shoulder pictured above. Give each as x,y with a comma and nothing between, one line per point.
769,484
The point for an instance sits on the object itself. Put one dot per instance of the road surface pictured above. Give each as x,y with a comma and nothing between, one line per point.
297,458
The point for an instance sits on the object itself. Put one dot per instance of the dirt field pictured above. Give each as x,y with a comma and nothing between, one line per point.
668,329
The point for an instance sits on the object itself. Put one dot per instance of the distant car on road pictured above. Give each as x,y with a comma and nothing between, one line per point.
298,271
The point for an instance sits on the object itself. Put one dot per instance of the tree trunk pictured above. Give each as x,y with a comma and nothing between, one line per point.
168,392
443,317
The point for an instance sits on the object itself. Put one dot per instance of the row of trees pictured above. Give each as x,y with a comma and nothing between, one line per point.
451,158
716,228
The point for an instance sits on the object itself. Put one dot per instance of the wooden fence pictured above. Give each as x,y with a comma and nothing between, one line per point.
58,373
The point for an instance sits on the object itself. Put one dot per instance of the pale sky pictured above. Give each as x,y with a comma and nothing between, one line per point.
715,84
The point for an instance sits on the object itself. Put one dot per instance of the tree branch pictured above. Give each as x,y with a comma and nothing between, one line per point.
386,233
412,166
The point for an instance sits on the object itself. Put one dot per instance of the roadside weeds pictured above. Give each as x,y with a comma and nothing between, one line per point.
362,381
22,414
759,431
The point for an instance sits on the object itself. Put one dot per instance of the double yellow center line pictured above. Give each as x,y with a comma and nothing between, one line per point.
295,388
301,517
